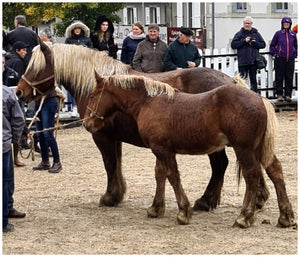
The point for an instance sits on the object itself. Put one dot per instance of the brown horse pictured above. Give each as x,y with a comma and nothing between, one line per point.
172,123
73,66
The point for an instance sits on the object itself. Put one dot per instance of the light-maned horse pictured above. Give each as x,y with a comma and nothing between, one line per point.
172,122
73,66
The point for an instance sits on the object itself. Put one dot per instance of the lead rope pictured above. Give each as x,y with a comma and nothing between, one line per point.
31,137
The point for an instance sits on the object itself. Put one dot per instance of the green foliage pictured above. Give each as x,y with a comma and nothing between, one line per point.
67,12
87,13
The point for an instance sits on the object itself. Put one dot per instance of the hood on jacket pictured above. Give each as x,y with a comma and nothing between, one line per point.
101,19
77,24
288,20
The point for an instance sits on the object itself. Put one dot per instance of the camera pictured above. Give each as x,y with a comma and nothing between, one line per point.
252,41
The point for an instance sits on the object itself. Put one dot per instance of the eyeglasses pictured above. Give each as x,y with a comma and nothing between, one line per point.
247,22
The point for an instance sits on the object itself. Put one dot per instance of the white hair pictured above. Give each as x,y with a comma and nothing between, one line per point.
248,18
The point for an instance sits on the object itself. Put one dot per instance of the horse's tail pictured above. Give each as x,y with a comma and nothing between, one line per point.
267,149
238,80
268,145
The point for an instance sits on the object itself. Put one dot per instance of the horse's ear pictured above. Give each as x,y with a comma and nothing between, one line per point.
44,47
98,78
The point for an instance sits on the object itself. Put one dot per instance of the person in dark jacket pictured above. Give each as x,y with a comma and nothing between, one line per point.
12,127
182,53
78,34
16,59
47,140
284,47
102,37
131,41
23,34
10,77
149,55
248,41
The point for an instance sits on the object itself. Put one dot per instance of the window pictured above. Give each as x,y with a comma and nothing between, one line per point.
240,7
280,7
129,16
152,15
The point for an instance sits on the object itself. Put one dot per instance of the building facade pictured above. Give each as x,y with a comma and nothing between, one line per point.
219,20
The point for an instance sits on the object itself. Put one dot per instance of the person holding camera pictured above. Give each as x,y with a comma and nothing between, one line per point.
248,41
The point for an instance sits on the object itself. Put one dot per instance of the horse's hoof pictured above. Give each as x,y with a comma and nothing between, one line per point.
108,200
202,204
155,212
284,222
242,222
182,218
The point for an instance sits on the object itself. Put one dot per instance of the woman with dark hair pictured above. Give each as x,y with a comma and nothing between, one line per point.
102,37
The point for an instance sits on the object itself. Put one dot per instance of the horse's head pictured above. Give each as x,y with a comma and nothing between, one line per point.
39,76
99,107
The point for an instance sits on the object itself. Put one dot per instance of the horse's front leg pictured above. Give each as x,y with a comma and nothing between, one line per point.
111,151
185,211
212,195
157,209
167,167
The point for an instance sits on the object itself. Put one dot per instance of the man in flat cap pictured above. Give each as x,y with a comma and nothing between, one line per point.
182,53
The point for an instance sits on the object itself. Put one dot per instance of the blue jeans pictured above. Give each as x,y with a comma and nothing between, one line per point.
251,69
47,120
6,159
72,100
11,183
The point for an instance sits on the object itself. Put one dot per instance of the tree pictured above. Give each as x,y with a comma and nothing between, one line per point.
67,12
87,13
35,13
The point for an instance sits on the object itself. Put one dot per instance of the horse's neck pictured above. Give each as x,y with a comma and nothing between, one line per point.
128,101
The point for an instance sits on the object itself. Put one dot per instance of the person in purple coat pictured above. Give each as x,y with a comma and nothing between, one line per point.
131,41
284,48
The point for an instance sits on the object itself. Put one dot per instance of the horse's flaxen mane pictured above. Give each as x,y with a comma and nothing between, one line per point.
76,64
237,79
152,87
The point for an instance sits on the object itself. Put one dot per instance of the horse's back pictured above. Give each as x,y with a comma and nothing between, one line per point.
193,81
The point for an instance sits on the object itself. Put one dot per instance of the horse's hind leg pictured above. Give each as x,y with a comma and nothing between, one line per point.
251,172
274,171
262,193
212,195
111,151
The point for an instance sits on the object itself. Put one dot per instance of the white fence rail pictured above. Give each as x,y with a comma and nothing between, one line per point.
226,61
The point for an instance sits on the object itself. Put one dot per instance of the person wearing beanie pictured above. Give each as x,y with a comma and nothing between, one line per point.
283,48
130,43
182,53
102,37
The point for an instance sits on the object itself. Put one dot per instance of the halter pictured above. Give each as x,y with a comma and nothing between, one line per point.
33,84
94,112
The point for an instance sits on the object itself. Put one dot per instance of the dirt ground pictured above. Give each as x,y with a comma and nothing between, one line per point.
63,216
